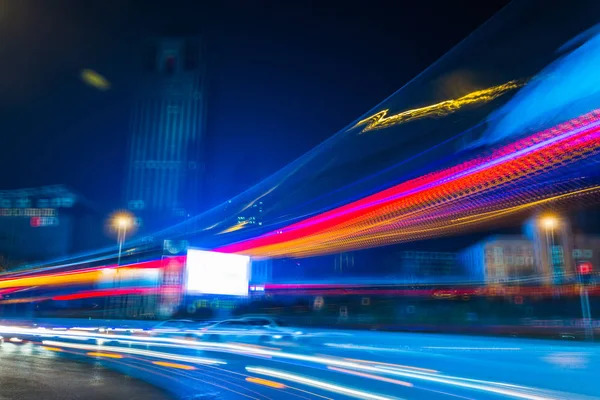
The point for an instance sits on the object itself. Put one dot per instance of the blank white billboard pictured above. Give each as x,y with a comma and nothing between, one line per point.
209,272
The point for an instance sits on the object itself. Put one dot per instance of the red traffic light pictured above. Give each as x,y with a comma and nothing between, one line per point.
584,268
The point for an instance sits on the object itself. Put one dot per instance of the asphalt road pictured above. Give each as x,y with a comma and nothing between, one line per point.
28,372
332,365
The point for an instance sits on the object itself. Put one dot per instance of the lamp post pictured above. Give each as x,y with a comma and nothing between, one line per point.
584,271
122,222
550,223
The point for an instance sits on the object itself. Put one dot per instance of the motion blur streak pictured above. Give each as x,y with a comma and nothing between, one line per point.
57,349
328,361
372,370
380,119
147,353
316,383
473,348
265,382
521,393
425,207
56,279
370,376
432,371
173,365
107,355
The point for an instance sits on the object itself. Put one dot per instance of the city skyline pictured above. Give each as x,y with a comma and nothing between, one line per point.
252,80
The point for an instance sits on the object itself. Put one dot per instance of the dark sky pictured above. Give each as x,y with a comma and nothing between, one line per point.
284,76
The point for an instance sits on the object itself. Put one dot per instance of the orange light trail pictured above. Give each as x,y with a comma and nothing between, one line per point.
439,203
104,355
266,382
51,348
173,365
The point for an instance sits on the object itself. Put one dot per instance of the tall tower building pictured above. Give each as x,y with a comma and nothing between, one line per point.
167,133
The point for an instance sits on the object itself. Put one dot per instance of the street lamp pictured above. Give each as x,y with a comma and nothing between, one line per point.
550,223
122,222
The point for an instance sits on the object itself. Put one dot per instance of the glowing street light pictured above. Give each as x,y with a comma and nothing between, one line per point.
122,222
550,222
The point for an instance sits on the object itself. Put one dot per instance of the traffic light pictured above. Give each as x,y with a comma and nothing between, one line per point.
585,271
585,268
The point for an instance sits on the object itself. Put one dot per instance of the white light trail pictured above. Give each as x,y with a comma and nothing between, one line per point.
127,350
359,394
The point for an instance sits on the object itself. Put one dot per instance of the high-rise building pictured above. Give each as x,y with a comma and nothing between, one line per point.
167,132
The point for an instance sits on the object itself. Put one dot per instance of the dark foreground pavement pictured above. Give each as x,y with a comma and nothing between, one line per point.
26,373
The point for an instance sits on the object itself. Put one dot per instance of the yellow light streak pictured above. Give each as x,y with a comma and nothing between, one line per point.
105,355
51,348
380,120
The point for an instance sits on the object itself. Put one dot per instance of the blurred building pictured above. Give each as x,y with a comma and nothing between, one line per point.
587,249
46,222
343,262
421,266
167,133
499,259
552,240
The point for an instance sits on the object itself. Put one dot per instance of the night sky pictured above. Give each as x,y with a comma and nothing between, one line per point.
284,76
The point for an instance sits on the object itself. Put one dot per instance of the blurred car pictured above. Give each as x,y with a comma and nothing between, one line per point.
261,329
182,328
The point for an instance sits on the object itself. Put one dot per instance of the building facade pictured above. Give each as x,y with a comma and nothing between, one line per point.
504,259
587,249
499,259
167,133
43,223
424,266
